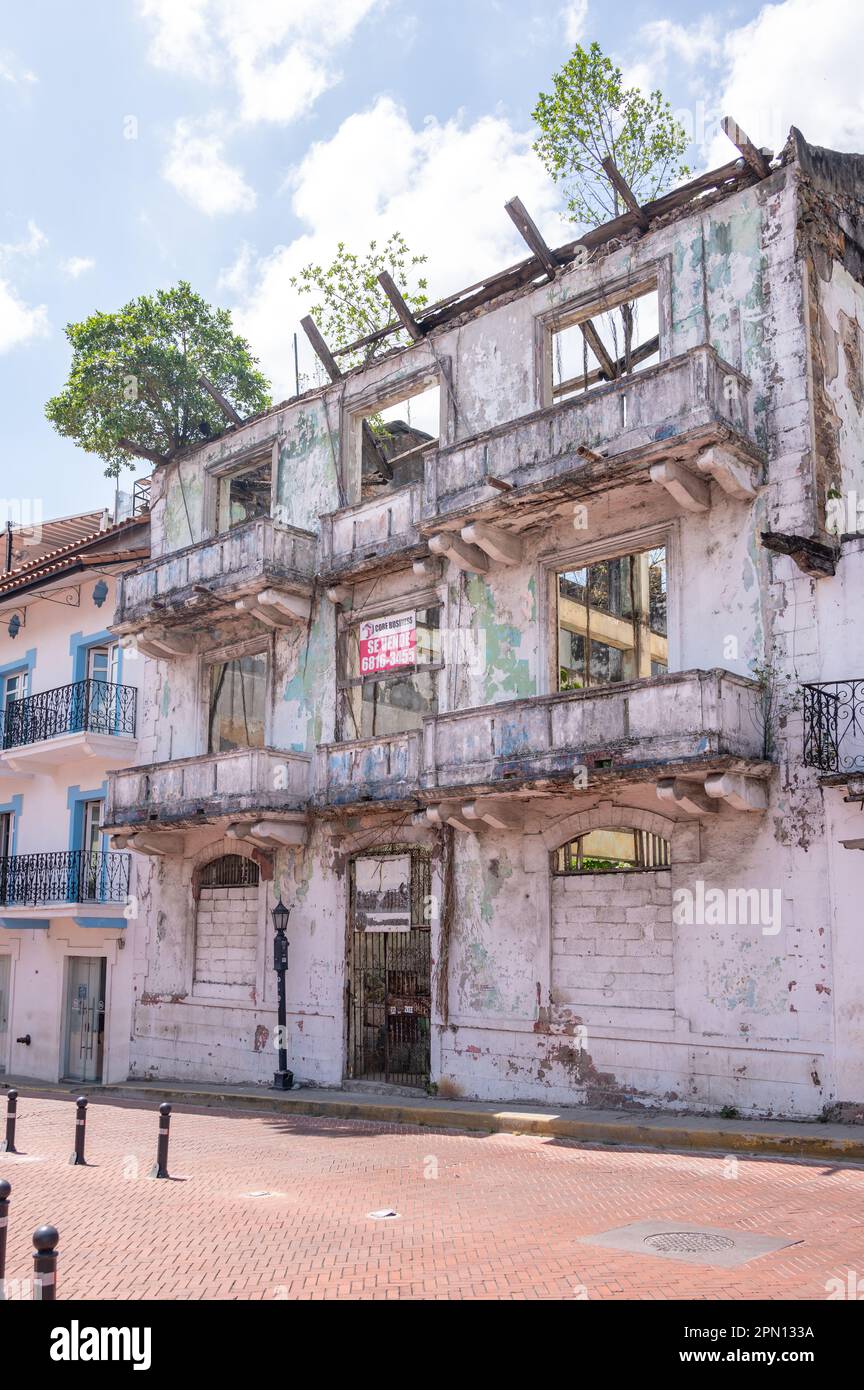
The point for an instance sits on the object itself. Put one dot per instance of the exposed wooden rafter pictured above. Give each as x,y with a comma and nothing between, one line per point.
532,236
222,401
404,314
625,192
741,140
320,348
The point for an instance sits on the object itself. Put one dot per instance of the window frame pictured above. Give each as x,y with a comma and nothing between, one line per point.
380,395
636,868
256,646
551,564
349,621
218,477
599,298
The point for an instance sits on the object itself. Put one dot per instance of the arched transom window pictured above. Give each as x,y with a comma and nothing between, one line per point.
230,871
611,852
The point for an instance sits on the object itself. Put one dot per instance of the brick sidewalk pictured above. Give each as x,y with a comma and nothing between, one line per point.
481,1216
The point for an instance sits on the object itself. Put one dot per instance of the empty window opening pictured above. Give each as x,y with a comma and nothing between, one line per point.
246,494
612,621
611,852
390,684
237,703
393,440
605,346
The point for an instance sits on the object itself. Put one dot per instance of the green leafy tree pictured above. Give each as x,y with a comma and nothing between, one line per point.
134,385
350,303
590,115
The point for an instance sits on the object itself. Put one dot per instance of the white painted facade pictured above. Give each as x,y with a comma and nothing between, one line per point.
67,905
588,989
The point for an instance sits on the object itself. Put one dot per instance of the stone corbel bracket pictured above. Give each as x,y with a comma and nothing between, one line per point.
689,796
689,486
473,816
163,645
156,842
276,607
739,791
270,834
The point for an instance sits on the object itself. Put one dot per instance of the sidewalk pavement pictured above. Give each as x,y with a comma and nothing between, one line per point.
652,1129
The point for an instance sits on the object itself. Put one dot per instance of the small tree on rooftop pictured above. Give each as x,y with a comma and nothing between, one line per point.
133,388
590,115
350,303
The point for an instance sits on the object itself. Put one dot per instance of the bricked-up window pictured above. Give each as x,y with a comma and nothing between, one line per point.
393,701
616,341
612,620
611,852
237,703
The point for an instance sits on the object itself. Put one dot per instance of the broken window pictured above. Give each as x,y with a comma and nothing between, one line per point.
390,679
612,620
605,345
245,494
392,440
237,703
611,852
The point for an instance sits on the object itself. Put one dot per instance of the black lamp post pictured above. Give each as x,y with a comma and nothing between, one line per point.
283,1079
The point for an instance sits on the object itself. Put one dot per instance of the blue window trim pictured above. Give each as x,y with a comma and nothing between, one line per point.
13,808
79,648
75,800
25,662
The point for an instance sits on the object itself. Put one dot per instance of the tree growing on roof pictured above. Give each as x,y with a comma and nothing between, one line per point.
590,116
164,371
351,303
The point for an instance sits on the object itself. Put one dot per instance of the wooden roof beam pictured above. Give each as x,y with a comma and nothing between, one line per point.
598,347
222,401
403,313
531,235
741,140
625,192
320,348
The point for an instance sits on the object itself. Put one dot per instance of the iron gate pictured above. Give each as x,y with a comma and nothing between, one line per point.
389,982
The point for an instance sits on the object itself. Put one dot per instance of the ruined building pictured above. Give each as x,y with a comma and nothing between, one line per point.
520,661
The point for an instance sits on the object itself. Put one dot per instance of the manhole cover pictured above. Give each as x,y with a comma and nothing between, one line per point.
688,1242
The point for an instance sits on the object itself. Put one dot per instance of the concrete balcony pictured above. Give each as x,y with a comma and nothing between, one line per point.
89,718
359,539
260,574
692,413
690,724
148,808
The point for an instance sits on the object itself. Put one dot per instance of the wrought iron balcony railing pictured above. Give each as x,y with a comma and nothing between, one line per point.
64,876
834,726
89,707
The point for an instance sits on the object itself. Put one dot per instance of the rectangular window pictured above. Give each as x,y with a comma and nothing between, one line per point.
246,494
392,440
237,703
5,834
608,344
377,700
612,620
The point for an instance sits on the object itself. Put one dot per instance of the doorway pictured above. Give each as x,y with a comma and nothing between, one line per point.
85,1018
5,988
390,968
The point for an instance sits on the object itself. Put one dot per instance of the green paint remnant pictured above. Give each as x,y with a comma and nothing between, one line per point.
166,699
306,483
303,692
506,674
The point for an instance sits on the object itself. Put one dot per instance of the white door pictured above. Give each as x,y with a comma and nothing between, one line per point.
101,692
5,985
85,1018
91,843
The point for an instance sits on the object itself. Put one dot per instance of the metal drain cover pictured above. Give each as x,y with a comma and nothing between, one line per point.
697,1245
688,1242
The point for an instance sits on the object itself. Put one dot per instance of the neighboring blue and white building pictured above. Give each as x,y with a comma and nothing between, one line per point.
68,712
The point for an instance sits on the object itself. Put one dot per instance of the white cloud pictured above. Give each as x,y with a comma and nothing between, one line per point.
198,169
277,54
574,16
427,188
30,245
12,71
77,265
19,322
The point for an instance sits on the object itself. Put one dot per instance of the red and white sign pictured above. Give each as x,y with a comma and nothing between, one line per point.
388,643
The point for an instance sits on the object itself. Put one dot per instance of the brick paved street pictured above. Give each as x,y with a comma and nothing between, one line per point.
481,1216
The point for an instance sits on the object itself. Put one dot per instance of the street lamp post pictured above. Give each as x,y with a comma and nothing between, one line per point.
283,1079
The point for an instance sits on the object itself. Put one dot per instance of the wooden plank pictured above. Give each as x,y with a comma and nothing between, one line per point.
598,347
403,313
531,235
222,401
625,192
741,140
639,354
320,347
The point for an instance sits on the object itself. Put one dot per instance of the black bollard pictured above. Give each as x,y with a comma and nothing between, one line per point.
45,1240
8,1145
160,1168
78,1159
5,1189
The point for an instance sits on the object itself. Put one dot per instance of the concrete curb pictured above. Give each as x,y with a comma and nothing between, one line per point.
626,1132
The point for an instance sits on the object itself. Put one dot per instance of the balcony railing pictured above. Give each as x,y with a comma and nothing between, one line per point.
64,876
86,707
210,787
834,726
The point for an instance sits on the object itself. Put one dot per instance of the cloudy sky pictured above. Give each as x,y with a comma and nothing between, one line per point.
228,142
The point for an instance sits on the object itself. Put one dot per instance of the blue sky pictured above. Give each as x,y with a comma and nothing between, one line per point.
146,141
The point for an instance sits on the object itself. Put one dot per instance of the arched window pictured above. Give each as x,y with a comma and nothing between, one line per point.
611,852
229,871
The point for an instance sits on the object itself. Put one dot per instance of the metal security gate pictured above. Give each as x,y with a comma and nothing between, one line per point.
390,968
